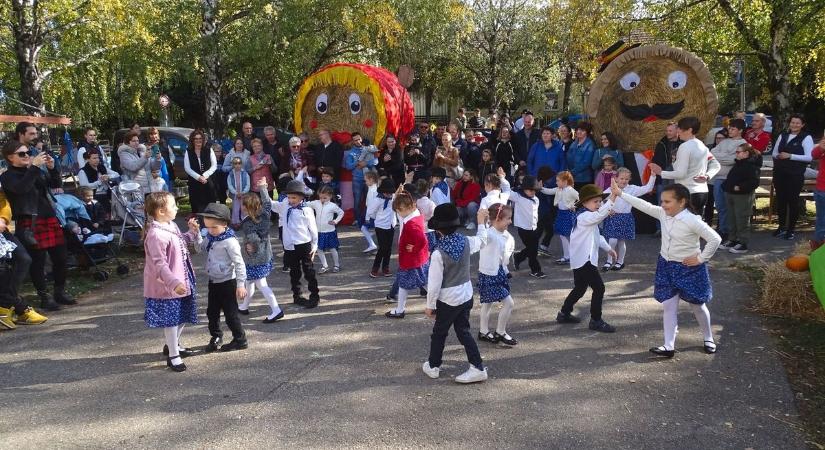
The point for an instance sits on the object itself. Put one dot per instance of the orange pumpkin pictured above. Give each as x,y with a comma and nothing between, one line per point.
797,263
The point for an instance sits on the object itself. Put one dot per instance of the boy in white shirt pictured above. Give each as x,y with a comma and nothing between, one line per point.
440,192
526,220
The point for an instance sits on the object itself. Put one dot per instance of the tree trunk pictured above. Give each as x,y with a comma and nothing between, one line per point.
428,104
27,45
568,86
779,85
210,33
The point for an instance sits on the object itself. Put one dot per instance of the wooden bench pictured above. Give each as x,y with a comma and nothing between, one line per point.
766,190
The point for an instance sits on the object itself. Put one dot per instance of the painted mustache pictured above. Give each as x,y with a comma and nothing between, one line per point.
659,111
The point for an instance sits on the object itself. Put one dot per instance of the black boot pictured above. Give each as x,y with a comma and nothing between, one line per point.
47,302
63,298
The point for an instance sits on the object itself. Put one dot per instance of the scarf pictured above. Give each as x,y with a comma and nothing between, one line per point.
453,245
299,207
532,199
228,233
387,200
442,185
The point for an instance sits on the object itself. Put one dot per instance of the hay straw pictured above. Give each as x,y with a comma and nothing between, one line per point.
789,294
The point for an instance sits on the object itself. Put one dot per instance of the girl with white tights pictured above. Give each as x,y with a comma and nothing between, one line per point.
493,274
682,271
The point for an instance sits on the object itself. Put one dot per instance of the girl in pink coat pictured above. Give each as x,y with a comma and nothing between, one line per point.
168,278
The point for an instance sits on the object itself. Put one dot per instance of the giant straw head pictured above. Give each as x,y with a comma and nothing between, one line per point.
644,88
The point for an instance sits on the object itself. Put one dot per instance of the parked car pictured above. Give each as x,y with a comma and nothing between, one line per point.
176,137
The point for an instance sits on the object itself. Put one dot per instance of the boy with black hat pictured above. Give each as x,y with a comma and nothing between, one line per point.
300,239
585,241
227,274
450,292
380,211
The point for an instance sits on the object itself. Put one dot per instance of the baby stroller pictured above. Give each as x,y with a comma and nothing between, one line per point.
127,208
90,249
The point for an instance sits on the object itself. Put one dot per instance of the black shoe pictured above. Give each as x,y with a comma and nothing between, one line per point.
602,326
311,303
61,297
778,233
285,269
607,266
300,301
567,318
538,274
710,347
47,302
789,236
394,315
517,263
179,368
661,351
183,352
243,311
617,267
214,344
504,339
422,292
235,345
277,317
489,337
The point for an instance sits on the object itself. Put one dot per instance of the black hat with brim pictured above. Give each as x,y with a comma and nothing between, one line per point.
444,216
387,186
296,187
217,211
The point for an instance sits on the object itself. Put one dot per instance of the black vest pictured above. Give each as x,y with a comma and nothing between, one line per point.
794,147
92,174
204,164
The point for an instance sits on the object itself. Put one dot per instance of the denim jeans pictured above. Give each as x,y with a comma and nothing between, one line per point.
359,189
468,213
721,206
819,230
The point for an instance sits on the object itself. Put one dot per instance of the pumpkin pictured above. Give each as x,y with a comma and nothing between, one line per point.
797,263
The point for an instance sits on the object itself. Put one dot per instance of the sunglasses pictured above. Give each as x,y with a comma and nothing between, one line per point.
22,154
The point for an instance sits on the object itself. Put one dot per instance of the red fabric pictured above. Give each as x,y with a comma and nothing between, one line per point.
758,140
47,231
413,234
648,154
819,154
471,193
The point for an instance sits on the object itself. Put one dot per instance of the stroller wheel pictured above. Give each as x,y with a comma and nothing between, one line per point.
123,270
101,275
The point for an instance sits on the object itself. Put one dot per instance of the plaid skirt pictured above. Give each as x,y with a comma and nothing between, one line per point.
691,284
564,222
493,288
47,231
410,279
328,240
620,226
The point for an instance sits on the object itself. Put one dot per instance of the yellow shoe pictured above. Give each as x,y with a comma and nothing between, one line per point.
6,321
31,317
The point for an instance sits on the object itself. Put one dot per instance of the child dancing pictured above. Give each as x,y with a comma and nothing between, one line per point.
168,277
565,201
381,211
413,251
493,276
327,216
681,270
620,226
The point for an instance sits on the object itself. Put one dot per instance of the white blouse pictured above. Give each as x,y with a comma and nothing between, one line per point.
496,251
324,213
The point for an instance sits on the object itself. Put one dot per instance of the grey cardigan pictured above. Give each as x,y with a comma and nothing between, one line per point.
224,261
257,248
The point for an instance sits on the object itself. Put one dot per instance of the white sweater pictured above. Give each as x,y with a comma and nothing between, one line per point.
565,198
691,161
680,233
622,207
725,153
585,239
496,252
324,213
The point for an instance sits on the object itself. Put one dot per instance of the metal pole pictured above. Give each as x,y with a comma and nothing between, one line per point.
742,86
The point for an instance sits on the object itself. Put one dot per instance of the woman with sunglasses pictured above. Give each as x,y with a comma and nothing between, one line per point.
27,188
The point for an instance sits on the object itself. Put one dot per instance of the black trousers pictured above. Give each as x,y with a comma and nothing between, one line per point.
707,212
787,188
459,318
299,261
37,271
12,274
697,202
584,277
382,256
546,223
222,298
530,252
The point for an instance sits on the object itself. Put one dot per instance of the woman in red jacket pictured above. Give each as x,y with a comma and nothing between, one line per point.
413,251
466,195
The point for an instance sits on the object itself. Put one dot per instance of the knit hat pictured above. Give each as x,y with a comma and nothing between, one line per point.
439,172
590,191
217,211
387,186
444,216
295,187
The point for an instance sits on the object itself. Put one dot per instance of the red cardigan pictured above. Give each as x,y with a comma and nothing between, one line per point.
413,233
471,193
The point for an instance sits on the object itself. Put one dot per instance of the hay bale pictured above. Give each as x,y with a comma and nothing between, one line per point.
788,294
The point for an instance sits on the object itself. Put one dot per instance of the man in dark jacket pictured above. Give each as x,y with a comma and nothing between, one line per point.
329,154
524,139
665,151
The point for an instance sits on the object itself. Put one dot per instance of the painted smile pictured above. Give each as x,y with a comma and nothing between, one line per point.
645,113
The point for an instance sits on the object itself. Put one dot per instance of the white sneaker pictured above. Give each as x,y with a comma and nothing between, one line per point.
371,248
323,270
431,372
472,375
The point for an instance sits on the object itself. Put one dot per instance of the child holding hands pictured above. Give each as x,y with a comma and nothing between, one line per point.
413,251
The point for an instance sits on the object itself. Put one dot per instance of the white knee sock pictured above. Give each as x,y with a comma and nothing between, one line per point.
703,317
250,291
670,314
171,335
269,296
402,300
484,326
322,255
612,242
565,246
621,251
180,331
335,261
367,235
504,315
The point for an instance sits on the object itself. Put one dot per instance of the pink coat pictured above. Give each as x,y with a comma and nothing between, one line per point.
166,259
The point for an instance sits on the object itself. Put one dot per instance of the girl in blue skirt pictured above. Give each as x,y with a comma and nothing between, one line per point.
682,271
493,275
620,227
565,201
327,216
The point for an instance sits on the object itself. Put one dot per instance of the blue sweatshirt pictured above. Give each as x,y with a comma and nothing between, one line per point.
579,160
540,156
604,151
